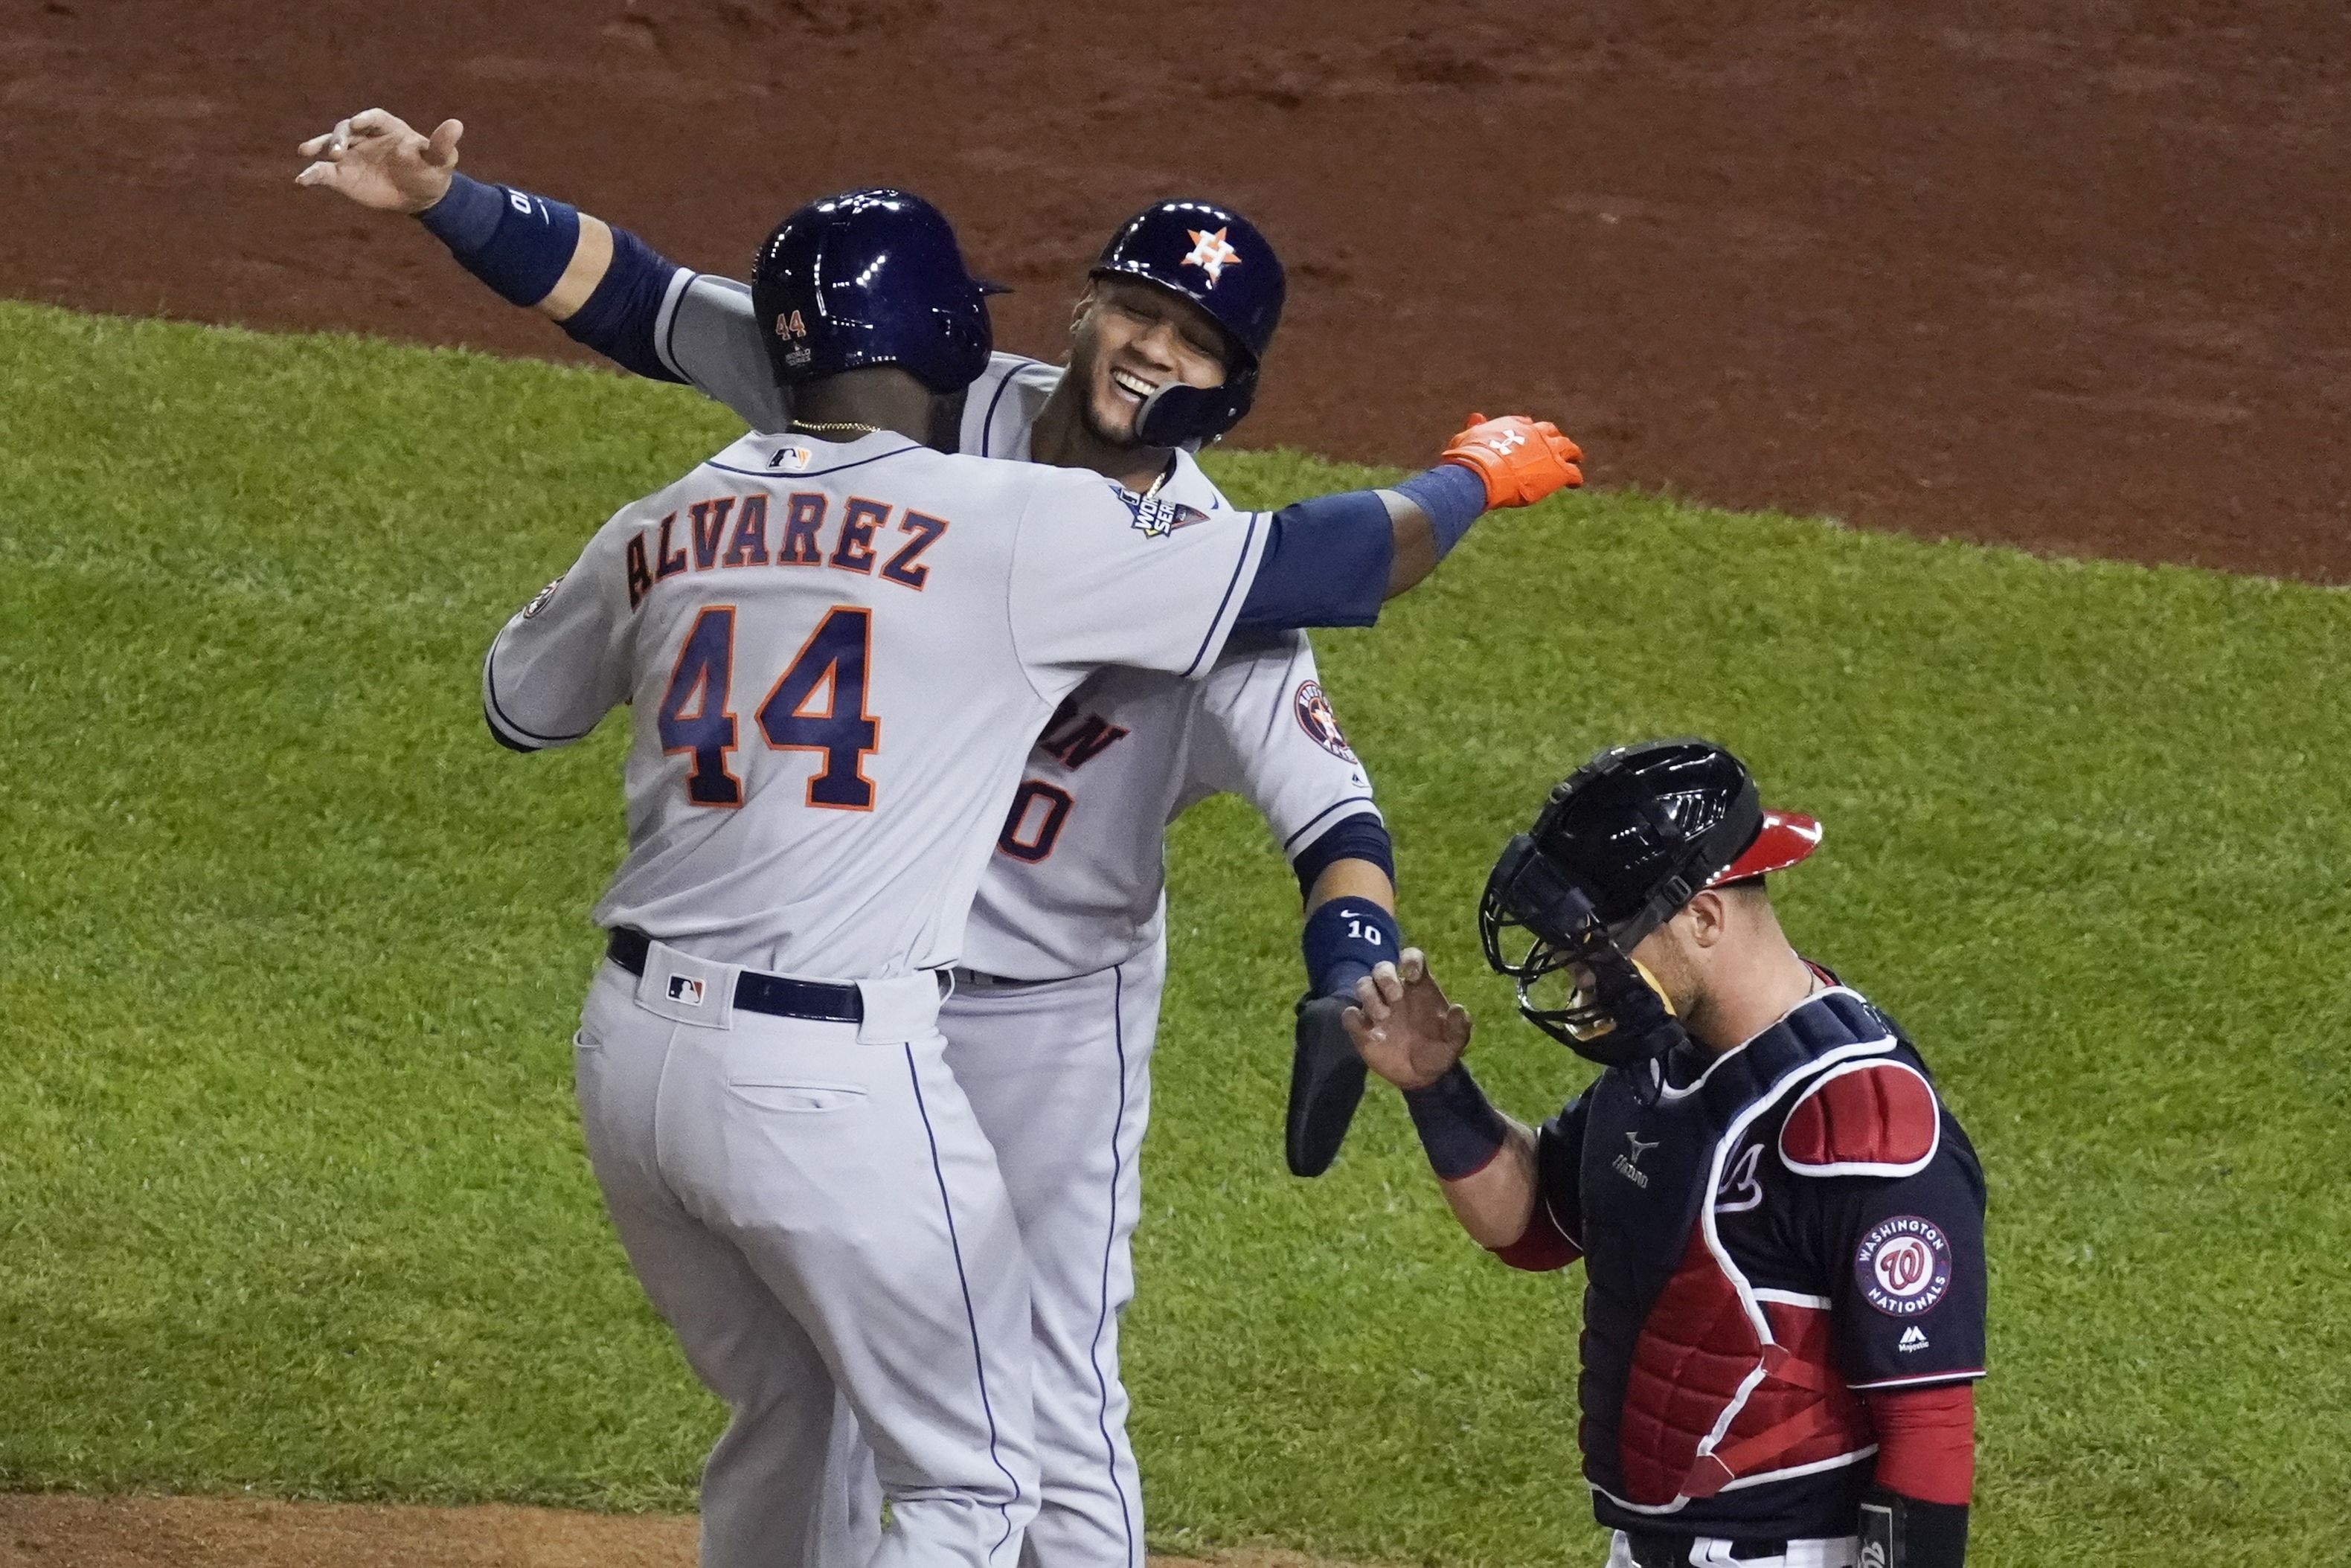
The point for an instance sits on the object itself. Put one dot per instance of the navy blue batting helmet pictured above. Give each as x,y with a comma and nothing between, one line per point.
871,278
1216,258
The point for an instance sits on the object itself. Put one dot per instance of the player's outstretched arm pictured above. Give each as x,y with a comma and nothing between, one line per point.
1412,1036
603,286
1332,560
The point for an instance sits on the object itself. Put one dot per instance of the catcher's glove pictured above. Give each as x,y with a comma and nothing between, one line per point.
1326,1081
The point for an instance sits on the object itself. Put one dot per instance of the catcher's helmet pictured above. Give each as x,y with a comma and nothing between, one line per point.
871,278
1216,258
1626,841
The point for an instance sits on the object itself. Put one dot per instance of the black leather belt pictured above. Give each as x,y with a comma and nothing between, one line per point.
980,980
1650,1551
777,995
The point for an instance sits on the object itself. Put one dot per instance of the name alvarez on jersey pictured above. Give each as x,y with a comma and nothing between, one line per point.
651,556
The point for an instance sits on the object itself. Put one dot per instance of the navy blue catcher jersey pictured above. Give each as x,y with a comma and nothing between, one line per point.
1768,1235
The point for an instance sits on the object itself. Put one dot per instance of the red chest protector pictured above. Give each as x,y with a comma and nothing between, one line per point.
1709,1357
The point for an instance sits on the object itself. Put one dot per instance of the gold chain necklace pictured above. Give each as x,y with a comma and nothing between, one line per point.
818,427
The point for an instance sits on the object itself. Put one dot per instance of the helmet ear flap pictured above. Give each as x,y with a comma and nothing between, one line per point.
1179,415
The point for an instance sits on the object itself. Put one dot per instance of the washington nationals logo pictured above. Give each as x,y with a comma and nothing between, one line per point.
1321,724
1904,1266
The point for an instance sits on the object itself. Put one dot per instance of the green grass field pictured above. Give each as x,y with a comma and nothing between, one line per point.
290,1190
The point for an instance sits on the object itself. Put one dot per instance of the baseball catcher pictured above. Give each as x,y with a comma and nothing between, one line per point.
1781,1224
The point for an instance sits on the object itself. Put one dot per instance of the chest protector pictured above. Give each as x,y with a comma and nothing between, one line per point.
1695,1378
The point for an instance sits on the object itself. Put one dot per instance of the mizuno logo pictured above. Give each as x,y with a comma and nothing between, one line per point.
1628,1164
1911,1340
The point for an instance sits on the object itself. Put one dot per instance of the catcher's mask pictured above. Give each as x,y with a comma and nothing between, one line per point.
1618,848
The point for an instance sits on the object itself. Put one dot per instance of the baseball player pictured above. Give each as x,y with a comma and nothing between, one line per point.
1781,1226
1051,1026
837,645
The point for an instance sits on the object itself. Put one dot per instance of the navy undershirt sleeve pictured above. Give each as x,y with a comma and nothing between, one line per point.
1326,563
1361,837
619,318
520,244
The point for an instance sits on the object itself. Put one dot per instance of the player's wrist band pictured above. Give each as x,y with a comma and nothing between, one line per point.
466,216
1906,1533
516,243
1452,497
1458,1127
1342,941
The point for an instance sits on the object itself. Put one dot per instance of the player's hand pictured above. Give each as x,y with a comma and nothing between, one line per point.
379,161
1402,1025
1522,460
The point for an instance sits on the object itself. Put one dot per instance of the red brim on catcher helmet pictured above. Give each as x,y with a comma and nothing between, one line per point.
1787,837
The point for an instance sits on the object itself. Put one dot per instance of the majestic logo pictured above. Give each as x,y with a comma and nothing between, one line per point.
681,988
1155,516
1904,1266
1321,724
539,600
1740,1189
794,458
1210,254
1628,1165
1911,1340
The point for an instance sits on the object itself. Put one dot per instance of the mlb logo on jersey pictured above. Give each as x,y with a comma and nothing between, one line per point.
791,459
685,989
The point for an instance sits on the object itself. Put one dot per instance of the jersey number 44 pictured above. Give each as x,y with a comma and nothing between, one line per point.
697,713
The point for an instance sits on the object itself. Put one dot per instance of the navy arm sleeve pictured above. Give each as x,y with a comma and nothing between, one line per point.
1361,837
619,318
1326,563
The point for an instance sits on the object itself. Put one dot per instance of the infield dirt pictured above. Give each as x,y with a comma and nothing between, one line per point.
2060,273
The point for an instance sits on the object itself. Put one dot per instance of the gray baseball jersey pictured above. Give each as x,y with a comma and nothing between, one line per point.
1078,881
837,657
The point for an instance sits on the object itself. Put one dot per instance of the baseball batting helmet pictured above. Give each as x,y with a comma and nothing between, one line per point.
871,278
1216,258
1620,846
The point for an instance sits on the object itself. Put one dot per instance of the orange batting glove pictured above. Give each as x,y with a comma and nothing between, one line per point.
1522,460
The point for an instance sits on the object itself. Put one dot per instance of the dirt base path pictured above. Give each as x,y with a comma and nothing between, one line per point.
58,1531
2063,273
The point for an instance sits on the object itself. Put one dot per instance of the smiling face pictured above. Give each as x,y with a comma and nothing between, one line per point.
1128,339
